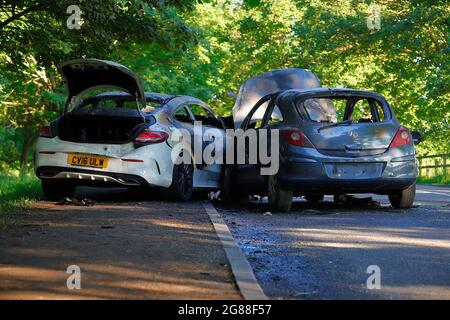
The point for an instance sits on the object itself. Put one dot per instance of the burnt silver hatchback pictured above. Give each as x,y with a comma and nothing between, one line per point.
331,141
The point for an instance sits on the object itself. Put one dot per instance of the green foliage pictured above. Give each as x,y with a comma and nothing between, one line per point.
17,192
208,48
10,146
440,179
34,44
406,60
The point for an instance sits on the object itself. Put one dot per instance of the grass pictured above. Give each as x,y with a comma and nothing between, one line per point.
439,179
17,192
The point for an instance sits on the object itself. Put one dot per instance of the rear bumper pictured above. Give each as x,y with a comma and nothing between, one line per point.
312,176
90,177
154,169
329,186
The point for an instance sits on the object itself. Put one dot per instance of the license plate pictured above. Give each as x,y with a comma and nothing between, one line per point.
87,161
354,170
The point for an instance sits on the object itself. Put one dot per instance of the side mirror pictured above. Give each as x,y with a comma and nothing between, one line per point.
416,137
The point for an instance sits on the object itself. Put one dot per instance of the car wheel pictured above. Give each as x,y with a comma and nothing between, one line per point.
403,199
314,198
182,182
280,200
56,190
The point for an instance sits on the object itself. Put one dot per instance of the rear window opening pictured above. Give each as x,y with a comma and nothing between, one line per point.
111,103
110,99
338,109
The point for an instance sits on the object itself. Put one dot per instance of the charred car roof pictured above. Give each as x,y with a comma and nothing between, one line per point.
286,96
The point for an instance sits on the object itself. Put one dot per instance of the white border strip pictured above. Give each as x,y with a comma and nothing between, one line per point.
242,271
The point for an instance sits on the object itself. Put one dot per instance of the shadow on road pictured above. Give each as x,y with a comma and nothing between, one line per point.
126,248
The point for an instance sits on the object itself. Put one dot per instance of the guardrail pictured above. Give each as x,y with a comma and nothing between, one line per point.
434,165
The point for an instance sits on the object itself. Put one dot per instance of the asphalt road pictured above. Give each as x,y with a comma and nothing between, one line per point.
126,246
323,251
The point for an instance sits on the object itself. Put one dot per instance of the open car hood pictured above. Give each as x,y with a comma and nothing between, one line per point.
270,82
80,75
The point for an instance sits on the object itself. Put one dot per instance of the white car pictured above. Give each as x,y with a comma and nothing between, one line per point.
120,138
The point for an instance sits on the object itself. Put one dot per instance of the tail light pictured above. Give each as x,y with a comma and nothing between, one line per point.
45,132
297,138
402,137
148,136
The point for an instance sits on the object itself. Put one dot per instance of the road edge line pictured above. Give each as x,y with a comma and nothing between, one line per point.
240,267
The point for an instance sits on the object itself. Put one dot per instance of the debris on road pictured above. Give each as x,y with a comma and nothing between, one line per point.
76,202
107,227
300,294
353,200
311,211
268,213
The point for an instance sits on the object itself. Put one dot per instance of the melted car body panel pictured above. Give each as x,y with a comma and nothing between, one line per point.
270,82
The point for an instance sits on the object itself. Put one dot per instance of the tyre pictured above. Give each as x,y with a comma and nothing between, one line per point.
314,198
144,193
182,185
56,190
280,200
340,198
403,199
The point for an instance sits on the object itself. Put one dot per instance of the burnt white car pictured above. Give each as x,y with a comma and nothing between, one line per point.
120,138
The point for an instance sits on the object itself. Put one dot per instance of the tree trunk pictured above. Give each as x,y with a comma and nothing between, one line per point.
160,4
29,137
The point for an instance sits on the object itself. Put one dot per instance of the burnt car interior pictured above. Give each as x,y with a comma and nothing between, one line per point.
104,119
203,115
183,116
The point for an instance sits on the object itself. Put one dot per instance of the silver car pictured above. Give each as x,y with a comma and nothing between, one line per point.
331,141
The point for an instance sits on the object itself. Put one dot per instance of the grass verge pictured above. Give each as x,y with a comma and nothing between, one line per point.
440,179
17,192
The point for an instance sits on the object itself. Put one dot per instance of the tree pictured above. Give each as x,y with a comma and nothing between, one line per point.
35,39
406,60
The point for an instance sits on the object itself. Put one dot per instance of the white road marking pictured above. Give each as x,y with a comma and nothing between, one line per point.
242,271
433,192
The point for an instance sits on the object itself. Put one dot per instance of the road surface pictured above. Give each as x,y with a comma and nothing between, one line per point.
324,251
126,248
130,248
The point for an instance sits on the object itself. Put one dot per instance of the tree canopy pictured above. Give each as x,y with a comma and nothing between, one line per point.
208,48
